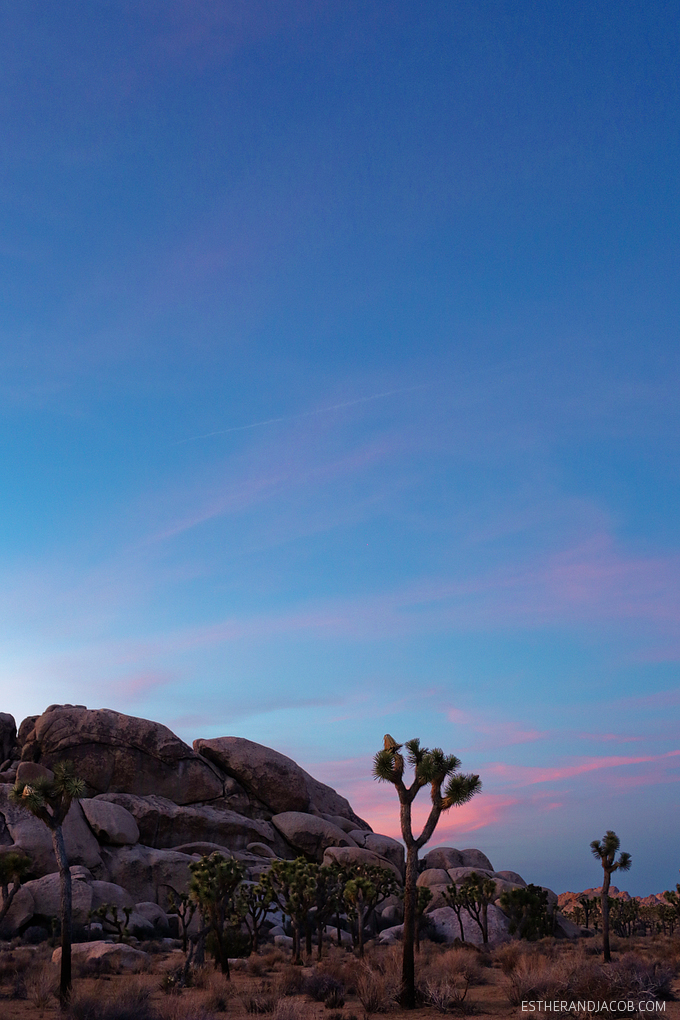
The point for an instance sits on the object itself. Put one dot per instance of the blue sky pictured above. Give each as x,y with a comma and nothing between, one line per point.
338,394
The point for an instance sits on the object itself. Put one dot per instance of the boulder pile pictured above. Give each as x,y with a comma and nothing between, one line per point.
154,805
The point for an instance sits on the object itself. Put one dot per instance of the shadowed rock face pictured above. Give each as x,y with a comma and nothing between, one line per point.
8,737
275,779
116,753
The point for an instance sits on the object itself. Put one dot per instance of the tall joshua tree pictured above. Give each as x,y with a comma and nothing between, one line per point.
49,798
434,769
605,851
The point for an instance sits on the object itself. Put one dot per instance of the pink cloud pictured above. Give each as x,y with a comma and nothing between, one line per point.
526,775
495,734
139,684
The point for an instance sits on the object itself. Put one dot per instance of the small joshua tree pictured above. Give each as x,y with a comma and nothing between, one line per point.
527,908
14,867
213,886
293,886
605,851
476,892
253,903
359,893
434,769
49,798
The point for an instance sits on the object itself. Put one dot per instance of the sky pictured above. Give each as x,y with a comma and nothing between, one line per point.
339,375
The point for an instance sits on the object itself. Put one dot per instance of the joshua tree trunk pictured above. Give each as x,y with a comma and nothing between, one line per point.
604,908
408,973
66,904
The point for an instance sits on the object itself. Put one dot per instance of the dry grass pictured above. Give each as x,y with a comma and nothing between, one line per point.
42,984
453,980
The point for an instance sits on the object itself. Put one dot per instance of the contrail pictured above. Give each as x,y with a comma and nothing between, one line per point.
304,414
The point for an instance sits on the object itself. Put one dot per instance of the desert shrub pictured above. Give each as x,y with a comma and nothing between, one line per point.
334,999
131,1002
287,1009
272,955
446,994
319,984
216,1001
531,977
186,1011
264,1000
634,975
289,981
41,984
341,966
582,977
174,981
456,963
13,963
508,956
376,992
256,966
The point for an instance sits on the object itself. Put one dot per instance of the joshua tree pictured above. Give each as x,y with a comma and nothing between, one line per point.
527,908
432,768
185,907
293,885
456,901
213,885
330,883
14,867
476,893
605,851
672,896
359,895
254,901
49,798
589,905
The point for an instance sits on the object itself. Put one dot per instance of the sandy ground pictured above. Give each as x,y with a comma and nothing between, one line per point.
28,980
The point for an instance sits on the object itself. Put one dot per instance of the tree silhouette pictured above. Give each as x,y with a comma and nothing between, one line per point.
49,798
14,867
213,886
605,851
476,892
293,886
431,768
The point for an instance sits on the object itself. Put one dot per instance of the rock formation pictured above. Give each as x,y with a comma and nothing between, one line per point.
154,805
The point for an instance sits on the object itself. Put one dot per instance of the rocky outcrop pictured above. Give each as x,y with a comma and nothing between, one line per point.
275,780
119,957
111,823
162,823
156,805
347,856
8,739
117,753
309,834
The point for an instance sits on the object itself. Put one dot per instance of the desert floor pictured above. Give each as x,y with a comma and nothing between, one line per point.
269,987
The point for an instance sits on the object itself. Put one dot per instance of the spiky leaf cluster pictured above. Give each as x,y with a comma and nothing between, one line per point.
50,799
605,851
431,768
214,881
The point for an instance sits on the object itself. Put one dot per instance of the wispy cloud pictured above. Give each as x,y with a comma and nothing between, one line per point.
307,414
518,776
